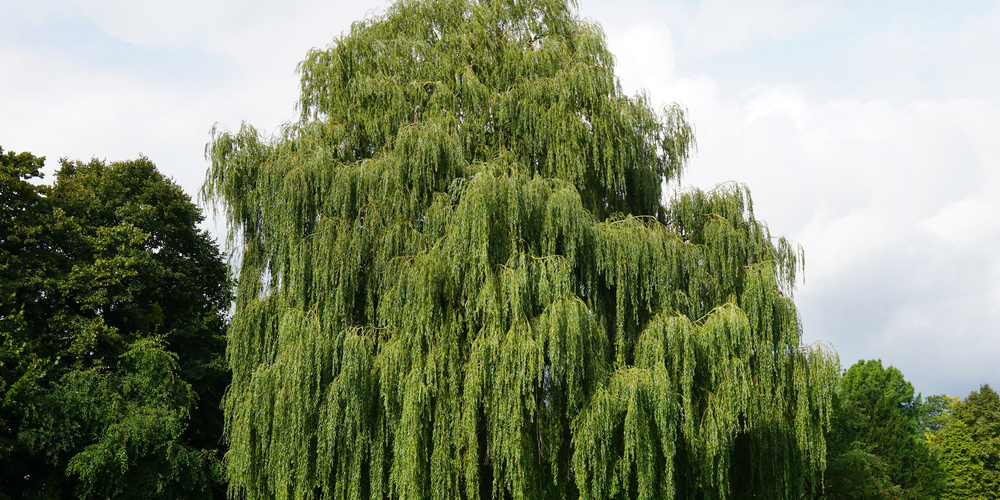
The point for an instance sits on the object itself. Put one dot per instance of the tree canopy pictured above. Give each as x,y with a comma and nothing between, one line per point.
876,445
980,413
111,335
935,413
962,467
459,279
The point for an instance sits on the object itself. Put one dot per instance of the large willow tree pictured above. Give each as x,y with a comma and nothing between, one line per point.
459,280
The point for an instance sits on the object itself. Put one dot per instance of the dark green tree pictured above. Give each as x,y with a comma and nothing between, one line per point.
875,446
980,412
111,316
854,471
459,279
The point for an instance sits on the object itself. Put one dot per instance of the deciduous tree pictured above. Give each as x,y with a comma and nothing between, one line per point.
111,316
935,413
855,471
459,279
980,412
963,471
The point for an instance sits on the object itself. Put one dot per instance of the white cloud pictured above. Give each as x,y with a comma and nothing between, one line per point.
39,11
153,23
63,106
967,222
250,31
930,53
103,114
720,26
896,204
839,243
645,53
782,101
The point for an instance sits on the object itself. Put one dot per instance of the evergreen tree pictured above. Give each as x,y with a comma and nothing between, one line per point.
878,417
855,471
459,280
111,361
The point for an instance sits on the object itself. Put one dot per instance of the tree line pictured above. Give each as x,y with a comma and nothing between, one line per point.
886,442
458,278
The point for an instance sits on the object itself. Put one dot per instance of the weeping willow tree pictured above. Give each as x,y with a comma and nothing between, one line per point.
459,280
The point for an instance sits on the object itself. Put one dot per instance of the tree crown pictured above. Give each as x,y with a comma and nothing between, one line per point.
459,279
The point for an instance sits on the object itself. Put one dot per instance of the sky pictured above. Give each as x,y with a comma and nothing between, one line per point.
867,132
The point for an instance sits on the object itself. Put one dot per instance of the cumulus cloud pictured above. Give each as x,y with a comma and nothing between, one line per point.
894,202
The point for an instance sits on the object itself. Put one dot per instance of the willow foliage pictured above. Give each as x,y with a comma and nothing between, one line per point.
458,280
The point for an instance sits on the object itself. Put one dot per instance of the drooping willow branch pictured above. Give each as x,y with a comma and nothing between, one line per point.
473,289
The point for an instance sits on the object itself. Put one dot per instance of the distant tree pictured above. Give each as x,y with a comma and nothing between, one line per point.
111,317
980,412
963,472
854,471
460,279
935,413
877,428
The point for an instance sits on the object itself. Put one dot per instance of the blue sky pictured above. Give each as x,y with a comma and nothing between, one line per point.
866,131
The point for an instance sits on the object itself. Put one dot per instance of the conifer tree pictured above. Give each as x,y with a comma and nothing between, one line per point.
878,415
459,279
